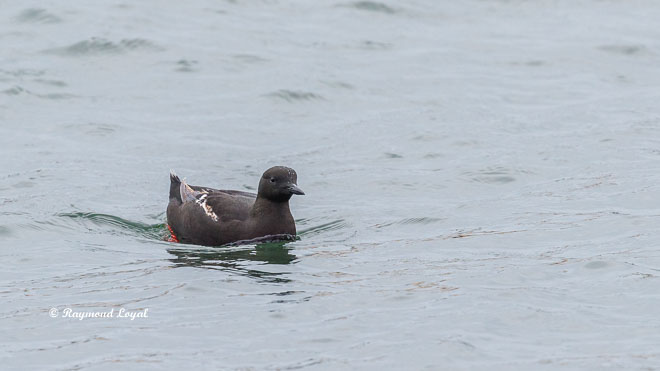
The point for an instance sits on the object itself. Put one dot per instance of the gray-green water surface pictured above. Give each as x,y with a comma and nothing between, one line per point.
481,176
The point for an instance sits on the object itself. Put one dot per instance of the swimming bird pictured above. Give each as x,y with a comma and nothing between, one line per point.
212,217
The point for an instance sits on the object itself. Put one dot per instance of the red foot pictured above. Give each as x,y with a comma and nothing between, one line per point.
172,237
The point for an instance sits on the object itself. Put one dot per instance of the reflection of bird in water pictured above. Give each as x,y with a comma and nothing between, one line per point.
234,260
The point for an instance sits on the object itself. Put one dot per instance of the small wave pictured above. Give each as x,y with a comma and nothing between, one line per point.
249,58
373,6
339,84
24,184
34,15
185,65
152,231
408,221
491,175
530,63
326,227
18,90
93,129
374,45
57,83
23,72
55,96
623,49
294,96
97,46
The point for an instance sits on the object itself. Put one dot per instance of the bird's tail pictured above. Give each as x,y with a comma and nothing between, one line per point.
175,184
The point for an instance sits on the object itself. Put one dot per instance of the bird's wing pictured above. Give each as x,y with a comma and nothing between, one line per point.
226,191
228,206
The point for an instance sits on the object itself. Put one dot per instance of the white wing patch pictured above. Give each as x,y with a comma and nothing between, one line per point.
201,201
189,194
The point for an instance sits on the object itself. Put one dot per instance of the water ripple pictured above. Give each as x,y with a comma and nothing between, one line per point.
35,15
330,226
624,49
153,231
491,175
18,90
97,46
373,6
292,96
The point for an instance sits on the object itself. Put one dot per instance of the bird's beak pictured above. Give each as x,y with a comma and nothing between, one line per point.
295,190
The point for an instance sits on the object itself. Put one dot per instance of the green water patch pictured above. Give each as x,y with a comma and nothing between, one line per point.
241,260
270,252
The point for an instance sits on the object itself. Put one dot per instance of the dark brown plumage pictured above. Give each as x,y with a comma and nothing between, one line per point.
212,217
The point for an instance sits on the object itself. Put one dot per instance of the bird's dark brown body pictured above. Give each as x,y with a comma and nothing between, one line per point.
211,217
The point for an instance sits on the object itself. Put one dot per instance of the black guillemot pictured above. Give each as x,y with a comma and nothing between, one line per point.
212,217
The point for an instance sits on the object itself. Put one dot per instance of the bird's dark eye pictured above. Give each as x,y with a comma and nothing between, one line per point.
272,180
